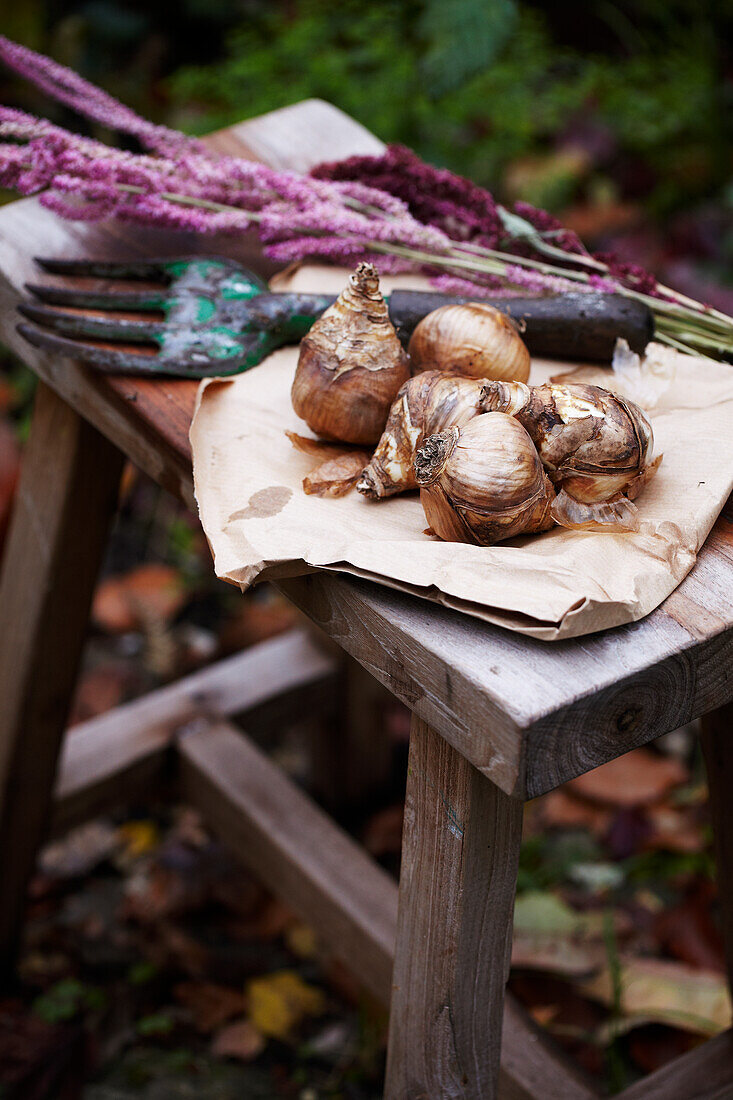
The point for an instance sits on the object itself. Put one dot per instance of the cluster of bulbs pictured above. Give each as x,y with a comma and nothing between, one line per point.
493,457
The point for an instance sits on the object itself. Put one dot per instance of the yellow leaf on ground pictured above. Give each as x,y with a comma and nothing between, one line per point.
302,941
139,838
278,1002
666,992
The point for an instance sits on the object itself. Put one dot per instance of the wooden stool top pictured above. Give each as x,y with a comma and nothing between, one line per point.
528,714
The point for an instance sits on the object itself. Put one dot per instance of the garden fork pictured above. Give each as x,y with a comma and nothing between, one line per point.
201,317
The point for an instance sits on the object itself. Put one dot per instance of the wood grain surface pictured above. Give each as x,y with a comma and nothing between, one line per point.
717,747
460,853
528,714
120,754
64,504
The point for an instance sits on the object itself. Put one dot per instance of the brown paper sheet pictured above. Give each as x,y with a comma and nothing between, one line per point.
260,524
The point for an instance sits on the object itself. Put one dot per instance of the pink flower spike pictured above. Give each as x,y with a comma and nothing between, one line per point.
67,87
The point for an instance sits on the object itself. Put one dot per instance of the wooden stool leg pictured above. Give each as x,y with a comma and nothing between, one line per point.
459,867
66,498
717,747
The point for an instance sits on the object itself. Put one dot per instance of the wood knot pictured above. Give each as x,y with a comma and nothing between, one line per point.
628,719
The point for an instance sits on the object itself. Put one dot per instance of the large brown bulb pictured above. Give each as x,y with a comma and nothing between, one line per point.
427,403
595,445
483,483
351,365
474,339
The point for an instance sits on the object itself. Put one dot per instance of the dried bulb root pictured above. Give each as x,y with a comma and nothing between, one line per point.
427,403
474,339
484,482
336,476
336,467
351,365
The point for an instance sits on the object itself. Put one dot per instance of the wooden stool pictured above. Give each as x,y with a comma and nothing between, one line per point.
498,718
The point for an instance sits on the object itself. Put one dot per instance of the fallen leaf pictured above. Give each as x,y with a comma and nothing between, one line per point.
239,1040
638,778
557,955
279,1002
657,990
550,936
156,1025
674,829
157,892
560,809
543,1014
541,912
139,838
127,601
302,941
211,1005
337,1037
337,476
80,851
597,877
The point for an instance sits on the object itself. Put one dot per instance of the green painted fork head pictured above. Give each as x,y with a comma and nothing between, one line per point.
218,317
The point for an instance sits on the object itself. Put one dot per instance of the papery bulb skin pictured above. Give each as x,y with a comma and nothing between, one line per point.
596,447
474,339
484,482
427,403
351,365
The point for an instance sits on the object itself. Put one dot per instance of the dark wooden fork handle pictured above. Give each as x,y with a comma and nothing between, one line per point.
581,327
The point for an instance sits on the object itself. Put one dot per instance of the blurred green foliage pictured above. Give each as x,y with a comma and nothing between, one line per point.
477,85
556,103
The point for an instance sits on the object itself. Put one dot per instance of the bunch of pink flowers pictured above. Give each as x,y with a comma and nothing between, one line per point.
393,209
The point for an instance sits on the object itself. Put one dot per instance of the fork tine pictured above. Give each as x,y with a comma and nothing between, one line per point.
119,361
107,269
162,270
81,324
93,299
108,359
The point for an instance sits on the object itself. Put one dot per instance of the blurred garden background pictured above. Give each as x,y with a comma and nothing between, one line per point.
145,944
